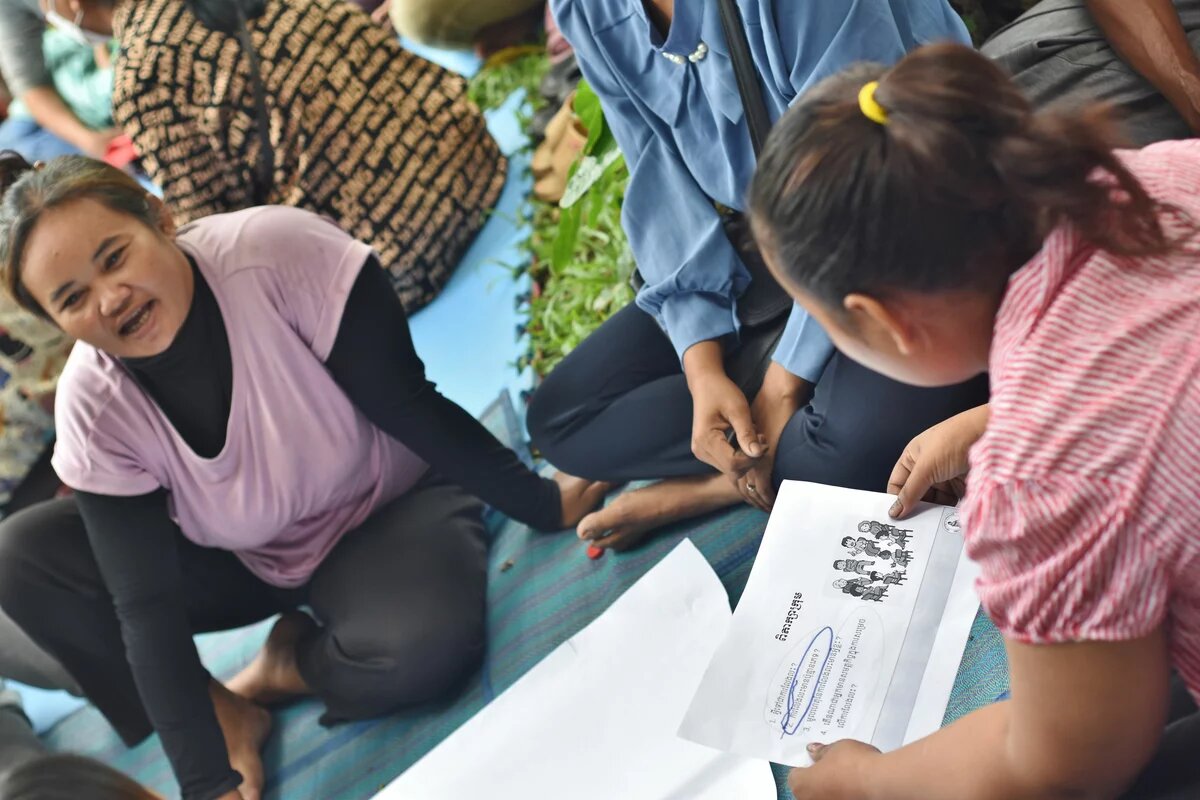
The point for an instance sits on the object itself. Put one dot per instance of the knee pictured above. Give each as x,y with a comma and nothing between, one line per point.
402,668
21,547
540,415
551,416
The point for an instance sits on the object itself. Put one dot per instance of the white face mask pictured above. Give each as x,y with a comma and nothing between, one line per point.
73,30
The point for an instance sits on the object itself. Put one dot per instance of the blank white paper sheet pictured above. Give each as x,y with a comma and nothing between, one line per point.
597,718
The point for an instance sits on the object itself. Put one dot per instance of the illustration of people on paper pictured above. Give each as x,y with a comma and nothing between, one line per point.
862,588
901,558
847,585
865,546
857,566
890,533
893,578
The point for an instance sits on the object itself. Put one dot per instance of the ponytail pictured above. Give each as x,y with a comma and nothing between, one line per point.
956,188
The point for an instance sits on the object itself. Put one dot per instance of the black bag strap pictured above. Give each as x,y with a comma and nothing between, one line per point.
232,17
747,75
265,168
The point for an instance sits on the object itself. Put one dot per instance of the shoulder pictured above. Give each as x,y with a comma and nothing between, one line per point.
150,33
149,22
16,12
146,53
1169,171
1162,156
88,396
294,262
105,440
590,16
13,11
262,237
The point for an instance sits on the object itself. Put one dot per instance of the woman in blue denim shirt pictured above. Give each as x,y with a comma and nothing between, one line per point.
677,385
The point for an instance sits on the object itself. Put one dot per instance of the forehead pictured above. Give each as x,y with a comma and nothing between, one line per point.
66,237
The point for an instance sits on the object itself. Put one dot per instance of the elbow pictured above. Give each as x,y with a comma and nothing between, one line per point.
145,603
1072,779
1070,789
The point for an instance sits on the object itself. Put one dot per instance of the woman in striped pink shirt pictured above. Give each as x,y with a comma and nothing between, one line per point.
938,227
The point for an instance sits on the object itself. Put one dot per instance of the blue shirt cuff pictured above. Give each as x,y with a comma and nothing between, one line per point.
804,349
693,317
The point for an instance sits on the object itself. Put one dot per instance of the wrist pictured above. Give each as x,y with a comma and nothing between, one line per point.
1183,93
976,419
782,386
702,362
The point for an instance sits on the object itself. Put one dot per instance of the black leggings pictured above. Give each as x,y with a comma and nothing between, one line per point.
618,409
400,604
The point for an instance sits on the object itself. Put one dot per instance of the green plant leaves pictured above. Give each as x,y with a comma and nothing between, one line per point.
585,174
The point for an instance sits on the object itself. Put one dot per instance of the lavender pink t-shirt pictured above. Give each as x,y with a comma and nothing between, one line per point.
301,466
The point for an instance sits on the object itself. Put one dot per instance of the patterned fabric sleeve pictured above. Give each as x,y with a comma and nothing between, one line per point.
1062,560
187,148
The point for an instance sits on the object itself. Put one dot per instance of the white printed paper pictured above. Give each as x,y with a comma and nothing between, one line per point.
852,626
597,718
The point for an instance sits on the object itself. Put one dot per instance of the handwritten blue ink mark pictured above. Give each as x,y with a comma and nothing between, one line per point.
791,701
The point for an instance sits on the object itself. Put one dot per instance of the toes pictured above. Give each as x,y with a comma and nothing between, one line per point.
603,520
622,538
590,526
596,492
611,542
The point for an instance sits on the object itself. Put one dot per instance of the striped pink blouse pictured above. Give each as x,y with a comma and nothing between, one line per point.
1083,507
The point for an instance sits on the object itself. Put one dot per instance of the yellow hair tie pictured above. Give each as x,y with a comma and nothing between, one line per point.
870,108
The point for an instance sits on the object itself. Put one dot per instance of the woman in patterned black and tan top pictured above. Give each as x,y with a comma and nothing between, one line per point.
383,142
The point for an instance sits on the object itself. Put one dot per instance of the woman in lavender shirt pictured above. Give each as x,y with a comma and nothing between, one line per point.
247,429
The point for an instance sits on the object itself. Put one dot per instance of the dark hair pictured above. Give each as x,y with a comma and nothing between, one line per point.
69,777
27,193
847,539
841,561
957,190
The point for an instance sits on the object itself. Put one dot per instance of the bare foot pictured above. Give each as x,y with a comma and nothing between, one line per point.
273,675
246,727
627,520
579,496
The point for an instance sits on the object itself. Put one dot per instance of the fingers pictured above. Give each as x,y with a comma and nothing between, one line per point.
901,471
942,496
591,527
766,490
715,450
618,539
380,16
594,494
747,435
612,529
591,497
579,496
755,491
911,479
